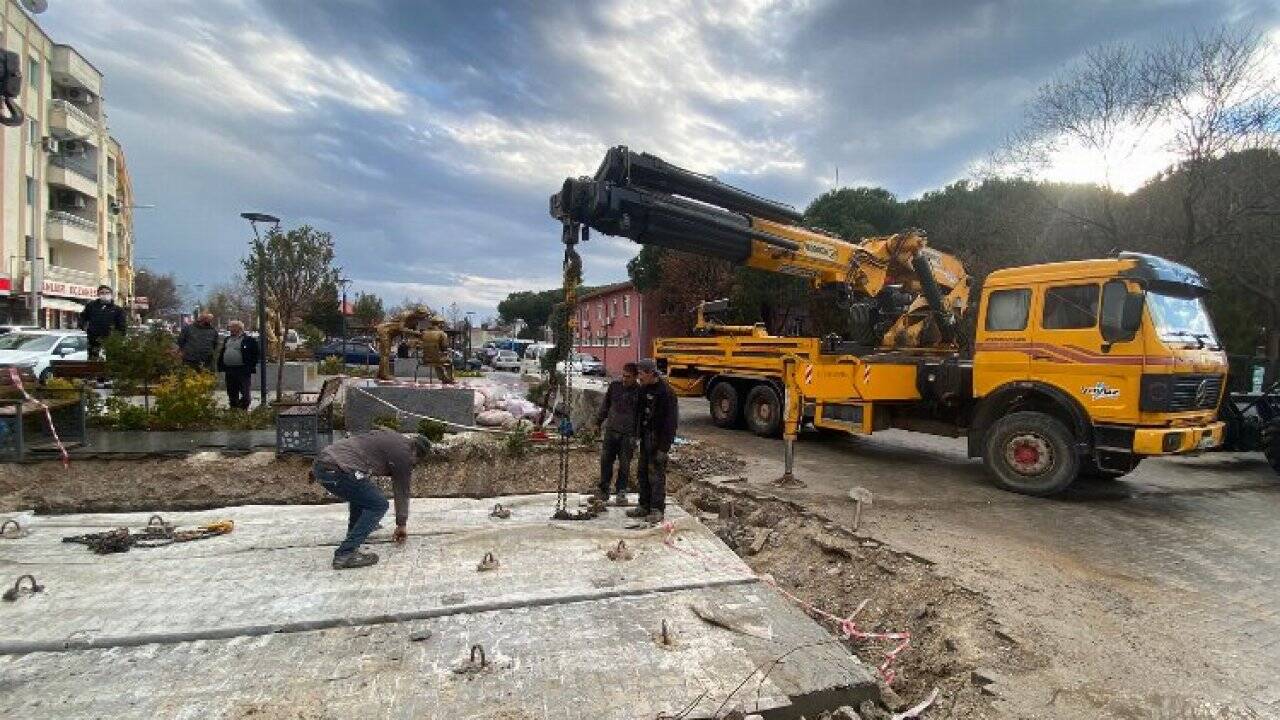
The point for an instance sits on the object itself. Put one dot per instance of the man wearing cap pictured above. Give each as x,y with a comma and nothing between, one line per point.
344,468
100,318
657,415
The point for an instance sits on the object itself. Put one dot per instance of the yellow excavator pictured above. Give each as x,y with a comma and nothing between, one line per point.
1056,371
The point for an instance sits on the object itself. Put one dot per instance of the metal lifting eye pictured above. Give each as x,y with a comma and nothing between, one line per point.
12,593
477,650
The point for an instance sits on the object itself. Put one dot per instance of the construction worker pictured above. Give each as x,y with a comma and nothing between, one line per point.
657,415
617,417
435,350
344,468
100,318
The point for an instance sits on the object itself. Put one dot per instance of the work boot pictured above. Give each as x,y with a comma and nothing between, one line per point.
354,559
600,496
654,517
621,500
638,511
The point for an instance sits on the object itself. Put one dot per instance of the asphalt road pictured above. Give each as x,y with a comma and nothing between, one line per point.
1152,596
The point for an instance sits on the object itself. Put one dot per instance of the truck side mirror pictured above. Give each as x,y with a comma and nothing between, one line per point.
1121,312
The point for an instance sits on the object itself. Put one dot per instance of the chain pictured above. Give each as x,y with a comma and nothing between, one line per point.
157,533
572,268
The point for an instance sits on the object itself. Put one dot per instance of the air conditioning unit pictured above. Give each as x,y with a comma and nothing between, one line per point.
78,94
49,144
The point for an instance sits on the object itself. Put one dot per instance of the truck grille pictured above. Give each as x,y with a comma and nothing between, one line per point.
1194,392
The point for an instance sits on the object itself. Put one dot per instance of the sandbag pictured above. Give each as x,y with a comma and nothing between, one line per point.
494,418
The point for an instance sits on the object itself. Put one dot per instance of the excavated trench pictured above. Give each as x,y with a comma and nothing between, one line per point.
953,636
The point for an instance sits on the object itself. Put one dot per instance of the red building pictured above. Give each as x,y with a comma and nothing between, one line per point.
614,326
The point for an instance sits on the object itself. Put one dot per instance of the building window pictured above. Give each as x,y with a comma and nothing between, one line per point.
33,127
613,308
626,339
32,189
626,305
600,311
33,73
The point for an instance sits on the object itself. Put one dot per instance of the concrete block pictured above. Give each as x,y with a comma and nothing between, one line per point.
451,404
412,368
298,376
584,403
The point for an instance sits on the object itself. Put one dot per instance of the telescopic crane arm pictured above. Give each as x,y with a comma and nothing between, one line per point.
642,197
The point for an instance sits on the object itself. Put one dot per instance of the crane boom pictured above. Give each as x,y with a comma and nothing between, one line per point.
652,202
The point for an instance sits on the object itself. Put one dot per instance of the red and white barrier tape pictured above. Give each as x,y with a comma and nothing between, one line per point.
48,416
847,625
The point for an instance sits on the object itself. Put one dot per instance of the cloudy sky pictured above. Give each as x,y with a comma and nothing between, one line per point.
427,136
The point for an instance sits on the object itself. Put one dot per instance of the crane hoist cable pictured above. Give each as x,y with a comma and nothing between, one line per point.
571,234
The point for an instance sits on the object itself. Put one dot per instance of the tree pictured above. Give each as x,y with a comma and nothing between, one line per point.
135,361
294,267
324,313
853,213
454,315
160,290
534,307
367,310
233,300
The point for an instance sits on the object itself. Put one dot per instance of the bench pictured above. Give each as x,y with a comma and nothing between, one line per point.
67,410
299,423
78,369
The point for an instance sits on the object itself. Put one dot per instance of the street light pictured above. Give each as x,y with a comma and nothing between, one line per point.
254,218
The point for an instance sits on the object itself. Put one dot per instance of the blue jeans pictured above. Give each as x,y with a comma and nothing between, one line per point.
366,503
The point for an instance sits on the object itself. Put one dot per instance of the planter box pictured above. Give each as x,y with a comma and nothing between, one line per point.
298,376
451,404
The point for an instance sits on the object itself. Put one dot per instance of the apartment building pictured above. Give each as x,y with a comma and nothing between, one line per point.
613,326
65,199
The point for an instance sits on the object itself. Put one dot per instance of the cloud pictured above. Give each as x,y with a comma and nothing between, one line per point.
427,136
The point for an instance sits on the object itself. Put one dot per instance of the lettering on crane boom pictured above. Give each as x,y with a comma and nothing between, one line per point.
818,250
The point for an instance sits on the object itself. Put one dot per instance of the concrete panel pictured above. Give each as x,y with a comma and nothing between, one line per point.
451,404
298,377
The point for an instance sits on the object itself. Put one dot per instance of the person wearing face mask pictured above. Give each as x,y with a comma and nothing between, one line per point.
100,318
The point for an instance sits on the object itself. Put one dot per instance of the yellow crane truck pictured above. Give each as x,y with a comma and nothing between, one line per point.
1050,371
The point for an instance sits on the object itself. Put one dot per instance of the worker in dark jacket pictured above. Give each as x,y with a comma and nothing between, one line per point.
238,360
617,418
344,468
197,342
100,318
657,415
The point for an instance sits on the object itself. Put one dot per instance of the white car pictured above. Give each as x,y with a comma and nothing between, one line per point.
35,348
506,360
531,363
582,364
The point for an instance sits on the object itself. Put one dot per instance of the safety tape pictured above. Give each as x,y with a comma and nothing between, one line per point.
847,625
17,382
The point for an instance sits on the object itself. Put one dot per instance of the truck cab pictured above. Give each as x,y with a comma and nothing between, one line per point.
1086,367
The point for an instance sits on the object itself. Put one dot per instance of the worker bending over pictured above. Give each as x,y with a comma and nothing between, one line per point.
657,416
344,469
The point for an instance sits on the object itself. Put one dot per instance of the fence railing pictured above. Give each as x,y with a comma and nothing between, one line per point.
66,218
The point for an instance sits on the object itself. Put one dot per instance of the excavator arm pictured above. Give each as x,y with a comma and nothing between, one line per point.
892,291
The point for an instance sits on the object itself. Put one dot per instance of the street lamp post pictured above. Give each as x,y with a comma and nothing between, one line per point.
254,218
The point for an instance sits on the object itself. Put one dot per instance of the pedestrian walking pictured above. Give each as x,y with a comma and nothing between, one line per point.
657,416
344,469
100,318
238,361
617,417
197,342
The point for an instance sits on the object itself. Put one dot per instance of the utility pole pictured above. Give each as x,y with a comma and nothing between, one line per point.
261,249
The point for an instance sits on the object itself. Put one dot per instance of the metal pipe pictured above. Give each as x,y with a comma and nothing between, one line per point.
933,295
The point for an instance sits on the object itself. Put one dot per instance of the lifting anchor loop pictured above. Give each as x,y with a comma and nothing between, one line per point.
500,512
620,552
4,529
477,650
489,562
12,593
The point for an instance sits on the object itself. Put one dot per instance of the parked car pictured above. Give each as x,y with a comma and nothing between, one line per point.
6,329
506,360
354,352
582,364
531,362
35,348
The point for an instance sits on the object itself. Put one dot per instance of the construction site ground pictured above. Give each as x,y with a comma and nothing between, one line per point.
1145,598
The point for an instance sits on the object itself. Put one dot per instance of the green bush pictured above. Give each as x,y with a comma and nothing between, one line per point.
433,430
259,418
467,373
117,413
184,401
332,365
517,443
387,421
137,361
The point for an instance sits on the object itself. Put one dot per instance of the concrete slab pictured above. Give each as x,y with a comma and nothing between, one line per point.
256,624
451,404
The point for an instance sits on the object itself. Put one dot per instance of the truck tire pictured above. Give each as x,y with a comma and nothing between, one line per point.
763,411
726,405
1031,453
1271,444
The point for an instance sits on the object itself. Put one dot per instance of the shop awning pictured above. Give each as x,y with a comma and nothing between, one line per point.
49,303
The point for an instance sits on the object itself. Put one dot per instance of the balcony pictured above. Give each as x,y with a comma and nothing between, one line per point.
65,227
64,116
75,172
58,274
69,68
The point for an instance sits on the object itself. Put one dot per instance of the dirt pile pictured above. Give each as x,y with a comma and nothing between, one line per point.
952,634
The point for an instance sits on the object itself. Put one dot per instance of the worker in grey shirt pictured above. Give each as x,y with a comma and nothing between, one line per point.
344,467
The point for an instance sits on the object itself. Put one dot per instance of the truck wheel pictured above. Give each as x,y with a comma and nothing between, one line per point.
764,411
726,405
1031,453
1271,444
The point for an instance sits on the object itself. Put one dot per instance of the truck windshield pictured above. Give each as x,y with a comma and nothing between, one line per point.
1182,319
